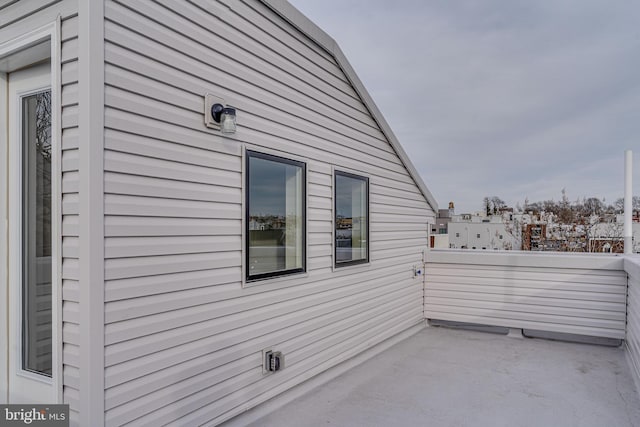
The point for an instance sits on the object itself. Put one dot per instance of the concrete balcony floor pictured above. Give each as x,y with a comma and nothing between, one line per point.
451,377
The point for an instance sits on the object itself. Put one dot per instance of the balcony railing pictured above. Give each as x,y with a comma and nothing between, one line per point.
586,295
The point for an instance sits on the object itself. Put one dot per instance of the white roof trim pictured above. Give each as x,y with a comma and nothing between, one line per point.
304,24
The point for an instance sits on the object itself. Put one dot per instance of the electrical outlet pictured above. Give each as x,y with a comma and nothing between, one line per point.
273,361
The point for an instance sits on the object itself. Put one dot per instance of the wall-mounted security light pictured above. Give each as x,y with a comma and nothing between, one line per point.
226,116
219,116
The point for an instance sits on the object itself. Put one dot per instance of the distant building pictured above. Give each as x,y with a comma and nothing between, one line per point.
609,236
442,220
476,231
534,237
531,231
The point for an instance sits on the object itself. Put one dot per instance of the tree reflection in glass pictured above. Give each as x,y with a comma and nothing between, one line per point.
36,233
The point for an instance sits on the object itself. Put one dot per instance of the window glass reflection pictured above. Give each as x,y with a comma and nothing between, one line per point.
351,200
36,233
275,216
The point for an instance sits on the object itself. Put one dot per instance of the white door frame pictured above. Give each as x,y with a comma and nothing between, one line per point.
18,53
24,386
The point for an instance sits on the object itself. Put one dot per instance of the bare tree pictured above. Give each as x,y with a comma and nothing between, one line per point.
635,204
594,206
565,213
43,124
498,204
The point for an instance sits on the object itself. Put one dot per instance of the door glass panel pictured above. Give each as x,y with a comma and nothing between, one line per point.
36,233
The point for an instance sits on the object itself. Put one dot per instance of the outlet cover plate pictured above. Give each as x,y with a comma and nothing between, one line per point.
265,368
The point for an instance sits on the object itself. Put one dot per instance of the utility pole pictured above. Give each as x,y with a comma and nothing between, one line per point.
628,195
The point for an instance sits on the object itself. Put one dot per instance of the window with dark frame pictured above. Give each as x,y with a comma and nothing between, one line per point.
275,216
351,210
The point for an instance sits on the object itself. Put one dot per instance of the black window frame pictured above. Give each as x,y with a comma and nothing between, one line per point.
249,154
337,264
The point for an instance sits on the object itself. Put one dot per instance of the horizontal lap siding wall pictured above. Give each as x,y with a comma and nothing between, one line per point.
183,337
17,18
583,295
632,267
20,17
70,210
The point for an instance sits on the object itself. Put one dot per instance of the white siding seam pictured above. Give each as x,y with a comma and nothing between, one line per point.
280,111
321,363
577,300
283,396
120,326
297,348
264,115
290,100
301,43
17,18
199,408
196,34
221,359
225,345
271,46
117,119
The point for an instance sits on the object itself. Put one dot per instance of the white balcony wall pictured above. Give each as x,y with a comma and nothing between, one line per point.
575,294
632,268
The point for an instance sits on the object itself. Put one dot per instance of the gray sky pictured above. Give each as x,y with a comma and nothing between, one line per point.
510,98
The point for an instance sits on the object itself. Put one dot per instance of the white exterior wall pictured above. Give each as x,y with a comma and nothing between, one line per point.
575,294
632,267
17,18
70,219
20,17
183,337
440,241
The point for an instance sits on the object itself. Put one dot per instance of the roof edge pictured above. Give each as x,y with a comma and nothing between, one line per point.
296,18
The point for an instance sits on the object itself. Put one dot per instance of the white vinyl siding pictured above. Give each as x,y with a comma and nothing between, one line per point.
17,18
70,200
183,337
20,17
584,295
632,267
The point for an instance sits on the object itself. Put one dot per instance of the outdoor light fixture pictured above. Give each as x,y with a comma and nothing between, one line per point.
219,116
226,116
